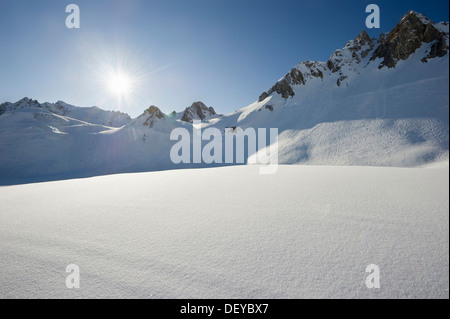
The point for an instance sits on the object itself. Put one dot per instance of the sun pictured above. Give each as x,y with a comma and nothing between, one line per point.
120,84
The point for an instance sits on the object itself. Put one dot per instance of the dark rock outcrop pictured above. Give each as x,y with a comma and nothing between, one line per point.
359,49
407,36
263,96
284,86
362,44
269,107
3,108
152,113
341,79
198,110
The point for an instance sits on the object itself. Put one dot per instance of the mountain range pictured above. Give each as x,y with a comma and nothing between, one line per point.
375,102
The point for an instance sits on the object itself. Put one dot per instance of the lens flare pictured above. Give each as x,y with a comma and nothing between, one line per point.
120,84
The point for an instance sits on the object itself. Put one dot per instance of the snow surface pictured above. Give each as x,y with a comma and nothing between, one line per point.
305,232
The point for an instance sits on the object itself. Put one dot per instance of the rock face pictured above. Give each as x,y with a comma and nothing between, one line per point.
353,53
152,114
297,76
198,111
3,108
154,111
409,35
363,44
283,87
60,108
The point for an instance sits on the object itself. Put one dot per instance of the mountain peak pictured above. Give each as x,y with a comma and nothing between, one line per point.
154,111
27,101
198,111
407,36
362,45
151,116
363,37
22,104
413,15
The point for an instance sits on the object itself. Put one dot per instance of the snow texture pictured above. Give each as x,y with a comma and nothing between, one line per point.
309,232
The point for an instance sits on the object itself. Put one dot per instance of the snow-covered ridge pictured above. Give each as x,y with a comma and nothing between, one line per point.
93,115
353,109
409,35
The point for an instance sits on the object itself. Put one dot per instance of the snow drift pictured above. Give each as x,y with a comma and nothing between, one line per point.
309,232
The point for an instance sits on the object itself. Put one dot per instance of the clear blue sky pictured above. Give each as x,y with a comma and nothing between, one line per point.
222,52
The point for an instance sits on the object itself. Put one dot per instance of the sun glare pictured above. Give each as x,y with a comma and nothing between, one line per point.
119,79
120,84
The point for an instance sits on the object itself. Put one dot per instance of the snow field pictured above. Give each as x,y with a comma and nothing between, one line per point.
305,232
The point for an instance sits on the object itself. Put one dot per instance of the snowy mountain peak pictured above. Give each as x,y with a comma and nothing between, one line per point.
150,116
26,103
416,15
343,59
363,37
93,115
26,100
198,111
154,111
362,44
407,36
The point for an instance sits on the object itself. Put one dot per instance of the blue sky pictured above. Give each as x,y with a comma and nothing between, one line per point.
222,52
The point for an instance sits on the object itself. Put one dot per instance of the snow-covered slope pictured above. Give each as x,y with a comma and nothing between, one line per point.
36,142
382,102
191,234
375,102
92,115
389,117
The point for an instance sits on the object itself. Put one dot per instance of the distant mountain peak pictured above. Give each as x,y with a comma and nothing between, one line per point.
151,116
23,104
92,115
27,102
154,111
198,111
